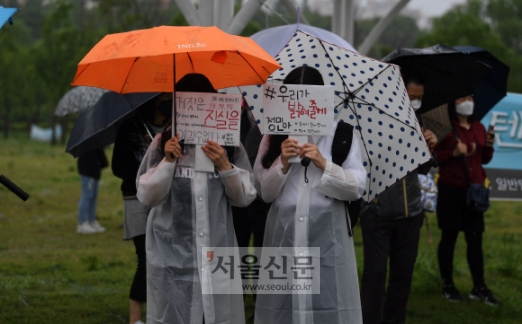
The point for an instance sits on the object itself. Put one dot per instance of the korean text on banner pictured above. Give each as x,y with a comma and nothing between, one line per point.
208,116
298,109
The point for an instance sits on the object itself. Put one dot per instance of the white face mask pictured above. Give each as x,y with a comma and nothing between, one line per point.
416,104
465,108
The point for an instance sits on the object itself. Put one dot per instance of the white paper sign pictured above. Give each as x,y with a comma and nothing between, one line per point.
208,116
298,109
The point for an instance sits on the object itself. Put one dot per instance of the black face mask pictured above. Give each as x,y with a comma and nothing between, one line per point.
166,108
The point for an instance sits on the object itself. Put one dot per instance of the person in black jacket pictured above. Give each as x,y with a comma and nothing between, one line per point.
90,165
390,226
132,140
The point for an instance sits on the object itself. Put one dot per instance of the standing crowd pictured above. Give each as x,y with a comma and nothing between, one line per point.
173,211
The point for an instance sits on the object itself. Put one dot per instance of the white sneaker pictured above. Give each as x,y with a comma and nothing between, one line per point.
139,322
97,227
85,228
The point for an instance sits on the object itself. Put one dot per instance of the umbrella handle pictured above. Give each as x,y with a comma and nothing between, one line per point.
14,188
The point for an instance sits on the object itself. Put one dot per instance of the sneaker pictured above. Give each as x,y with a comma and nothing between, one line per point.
85,228
484,294
97,227
451,293
139,322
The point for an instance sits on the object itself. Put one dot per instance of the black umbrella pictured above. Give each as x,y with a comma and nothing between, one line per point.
97,126
493,86
78,99
449,73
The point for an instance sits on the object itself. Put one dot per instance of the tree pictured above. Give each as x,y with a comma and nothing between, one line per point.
474,24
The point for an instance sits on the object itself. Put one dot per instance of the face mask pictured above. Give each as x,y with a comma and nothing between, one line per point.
465,108
416,104
166,108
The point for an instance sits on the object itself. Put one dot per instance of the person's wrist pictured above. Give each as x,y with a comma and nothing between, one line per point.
225,167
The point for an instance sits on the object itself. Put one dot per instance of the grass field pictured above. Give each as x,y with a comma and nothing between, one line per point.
51,274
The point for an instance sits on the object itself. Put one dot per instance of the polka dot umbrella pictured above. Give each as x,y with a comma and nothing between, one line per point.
370,95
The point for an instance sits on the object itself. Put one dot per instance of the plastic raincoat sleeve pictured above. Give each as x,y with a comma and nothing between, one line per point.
269,182
154,176
239,181
347,182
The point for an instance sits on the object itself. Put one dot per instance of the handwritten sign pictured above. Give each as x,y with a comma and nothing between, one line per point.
208,116
298,109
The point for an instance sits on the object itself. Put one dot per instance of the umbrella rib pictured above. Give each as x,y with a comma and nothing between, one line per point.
351,105
191,64
128,74
336,69
244,58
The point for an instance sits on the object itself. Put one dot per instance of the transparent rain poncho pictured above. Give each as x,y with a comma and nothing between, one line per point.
191,210
313,215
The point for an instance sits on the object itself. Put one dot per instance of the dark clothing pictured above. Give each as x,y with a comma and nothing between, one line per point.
397,239
452,214
401,200
138,291
391,229
451,171
91,163
474,256
130,146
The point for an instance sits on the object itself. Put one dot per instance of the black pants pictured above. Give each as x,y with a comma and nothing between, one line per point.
138,291
397,240
474,255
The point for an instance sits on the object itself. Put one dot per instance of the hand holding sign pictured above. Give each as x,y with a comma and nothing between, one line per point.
217,155
172,149
311,151
289,149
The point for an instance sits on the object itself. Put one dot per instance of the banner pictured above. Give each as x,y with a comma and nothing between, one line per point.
298,109
208,116
505,169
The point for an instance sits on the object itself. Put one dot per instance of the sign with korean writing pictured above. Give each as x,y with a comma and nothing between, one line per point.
208,116
272,270
505,184
298,109
505,170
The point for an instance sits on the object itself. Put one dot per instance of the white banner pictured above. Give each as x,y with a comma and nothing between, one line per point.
298,109
208,116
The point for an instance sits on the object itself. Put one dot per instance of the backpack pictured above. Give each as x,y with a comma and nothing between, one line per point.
342,142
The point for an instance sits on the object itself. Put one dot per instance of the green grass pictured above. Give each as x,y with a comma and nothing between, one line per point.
51,274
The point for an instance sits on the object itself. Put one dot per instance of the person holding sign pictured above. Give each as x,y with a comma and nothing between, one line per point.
190,210
308,211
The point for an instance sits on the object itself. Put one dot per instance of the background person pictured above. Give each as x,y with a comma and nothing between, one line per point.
90,165
391,225
311,214
132,140
190,210
475,145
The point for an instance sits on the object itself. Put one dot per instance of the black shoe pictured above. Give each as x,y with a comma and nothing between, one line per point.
483,293
451,293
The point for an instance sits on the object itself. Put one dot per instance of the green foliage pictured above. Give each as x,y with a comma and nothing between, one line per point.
495,25
51,274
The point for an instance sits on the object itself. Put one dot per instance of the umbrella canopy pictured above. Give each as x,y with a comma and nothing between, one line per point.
370,95
449,74
493,86
97,126
146,60
274,39
78,99
6,14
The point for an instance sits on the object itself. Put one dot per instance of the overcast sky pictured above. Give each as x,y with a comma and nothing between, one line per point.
433,7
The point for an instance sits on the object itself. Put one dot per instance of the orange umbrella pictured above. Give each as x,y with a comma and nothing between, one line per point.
146,60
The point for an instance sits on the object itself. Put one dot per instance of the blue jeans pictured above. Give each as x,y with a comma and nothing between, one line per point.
87,205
